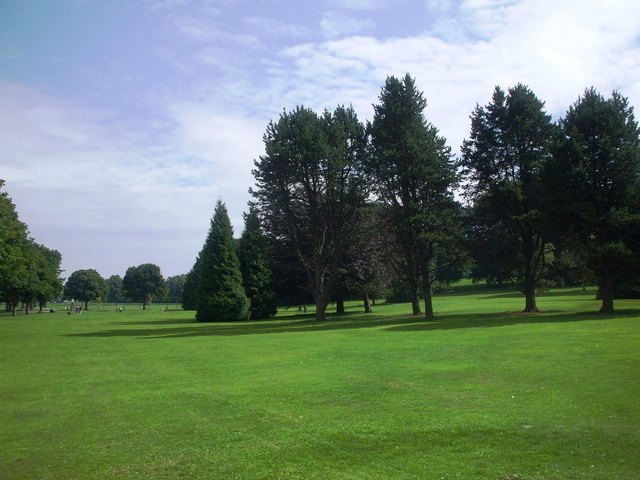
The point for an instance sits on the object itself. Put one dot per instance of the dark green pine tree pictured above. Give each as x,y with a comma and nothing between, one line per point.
508,147
413,176
255,265
594,180
220,295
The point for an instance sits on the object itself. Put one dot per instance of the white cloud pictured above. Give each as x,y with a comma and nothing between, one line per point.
109,199
277,27
554,47
335,24
204,30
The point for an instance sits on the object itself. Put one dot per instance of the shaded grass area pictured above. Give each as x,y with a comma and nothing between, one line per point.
481,392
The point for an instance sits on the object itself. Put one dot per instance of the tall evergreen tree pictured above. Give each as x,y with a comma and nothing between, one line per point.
219,293
309,188
503,159
414,176
255,265
595,181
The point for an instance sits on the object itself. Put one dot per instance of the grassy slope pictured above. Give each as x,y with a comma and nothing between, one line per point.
480,393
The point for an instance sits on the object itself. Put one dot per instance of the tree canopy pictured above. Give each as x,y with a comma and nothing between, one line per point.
310,187
29,271
85,285
144,283
595,180
414,177
503,158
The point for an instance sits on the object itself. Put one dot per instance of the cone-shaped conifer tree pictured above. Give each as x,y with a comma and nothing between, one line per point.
220,295
255,265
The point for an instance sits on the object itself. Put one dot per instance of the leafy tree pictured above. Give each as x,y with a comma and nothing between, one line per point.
175,288
85,285
13,239
255,265
32,282
28,271
50,284
144,283
220,296
595,181
366,272
503,159
414,177
116,294
309,187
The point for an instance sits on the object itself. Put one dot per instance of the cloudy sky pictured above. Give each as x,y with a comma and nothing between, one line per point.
122,122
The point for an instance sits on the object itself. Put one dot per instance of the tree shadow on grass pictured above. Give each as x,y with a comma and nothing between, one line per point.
511,318
556,293
396,323
191,321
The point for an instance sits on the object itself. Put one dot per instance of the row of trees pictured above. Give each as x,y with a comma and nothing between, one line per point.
143,283
29,271
333,194
541,191
341,208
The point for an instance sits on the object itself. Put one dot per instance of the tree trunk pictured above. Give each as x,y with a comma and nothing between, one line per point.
426,293
415,297
86,304
367,304
415,303
26,308
320,293
528,252
530,294
321,307
414,285
14,309
339,303
606,294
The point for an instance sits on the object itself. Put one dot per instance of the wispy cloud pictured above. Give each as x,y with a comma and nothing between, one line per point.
554,47
91,176
275,26
335,24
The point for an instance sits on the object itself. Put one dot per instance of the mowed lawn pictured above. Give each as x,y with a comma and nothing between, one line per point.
483,392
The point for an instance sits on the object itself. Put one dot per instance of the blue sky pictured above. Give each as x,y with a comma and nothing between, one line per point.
122,122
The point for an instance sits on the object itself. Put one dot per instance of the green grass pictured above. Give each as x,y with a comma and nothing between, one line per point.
483,392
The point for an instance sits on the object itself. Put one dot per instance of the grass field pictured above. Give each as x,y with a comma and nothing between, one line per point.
483,392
